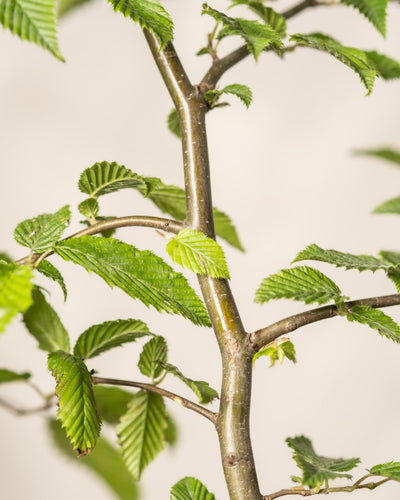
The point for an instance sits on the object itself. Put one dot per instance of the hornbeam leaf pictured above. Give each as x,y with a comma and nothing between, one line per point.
391,206
373,10
241,91
173,123
316,468
140,274
195,251
355,59
65,6
48,270
388,154
15,291
154,353
276,21
33,21
377,320
89,208
389,469
42,232
77,405
203,391
141,431
190,488
387,67
278,351
300,283
105,336
150,14
111,402
11,376
44,324
105,461
226,230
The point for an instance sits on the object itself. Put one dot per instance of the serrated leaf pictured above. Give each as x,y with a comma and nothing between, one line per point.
195,251
150,14
105,336
377,320
89,208
11,376
203,391
389,469
388,154
354,58
300,283
43,323
139,273
391,206
173,123
142,431
190,488
15,291
276,21
111,402
278,351
241,91
66,6
154,353
105,461
77,405
387,67
50,271
42,232
373,10
33,21
316,468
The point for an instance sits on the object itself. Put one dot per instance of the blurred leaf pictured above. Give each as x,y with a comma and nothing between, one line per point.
66,6
388,154
388,207
173,123
387,67
11,376
274,20
373,10
111,402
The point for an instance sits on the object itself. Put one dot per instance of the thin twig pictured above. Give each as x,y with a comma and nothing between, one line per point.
186,403
296,9
24,411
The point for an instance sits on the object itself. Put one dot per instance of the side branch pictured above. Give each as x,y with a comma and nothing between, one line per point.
264,336
186,403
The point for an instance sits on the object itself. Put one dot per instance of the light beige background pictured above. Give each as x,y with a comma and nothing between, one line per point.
285,173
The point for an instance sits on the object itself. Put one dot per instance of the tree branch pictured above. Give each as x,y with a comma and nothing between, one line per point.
264,336
186,403
25,411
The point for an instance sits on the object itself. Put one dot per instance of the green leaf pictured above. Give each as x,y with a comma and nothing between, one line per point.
278,350
42,232
203,391
77,405
195,251
377,320
388,154
355,59
316,468
154,352
389,469
44,324
276,21
171,432
225,229
241,91
111,402
373,10
142,431
387,67
391,206
300,283
105,336
15,291
150,14
48,270
33,21
105,461
11,376
173,123
139,273
190,488
89,208
66,6
256,35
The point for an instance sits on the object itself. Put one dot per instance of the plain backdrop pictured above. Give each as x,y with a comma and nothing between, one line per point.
284,170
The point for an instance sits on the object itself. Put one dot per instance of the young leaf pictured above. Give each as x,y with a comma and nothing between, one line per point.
278,350
142,431
140,274
241,91
391,206
173,123
42,232
15,291
150,14
276,21
203,391
44,324
388,154
89,208
65,6
316,468
389,469
77,405
300,283
190,488
10,376
376,319
105,336
154,353
105,461
33,21
387,67
195,251
355,59
48,270
373,10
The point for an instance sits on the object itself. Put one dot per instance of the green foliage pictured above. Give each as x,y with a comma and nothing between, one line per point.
42,232
389,469
33,21
373,10
190,488
274,20
140,274
47,269
391,206
173,123
388,154
105,461
355,59
318,469
107,335
195,251
387,67
278,351
89,208
241,91
15,291
111,402
11,376
142,431
150,14
299,283
377,320
154,353
77,405
66,6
